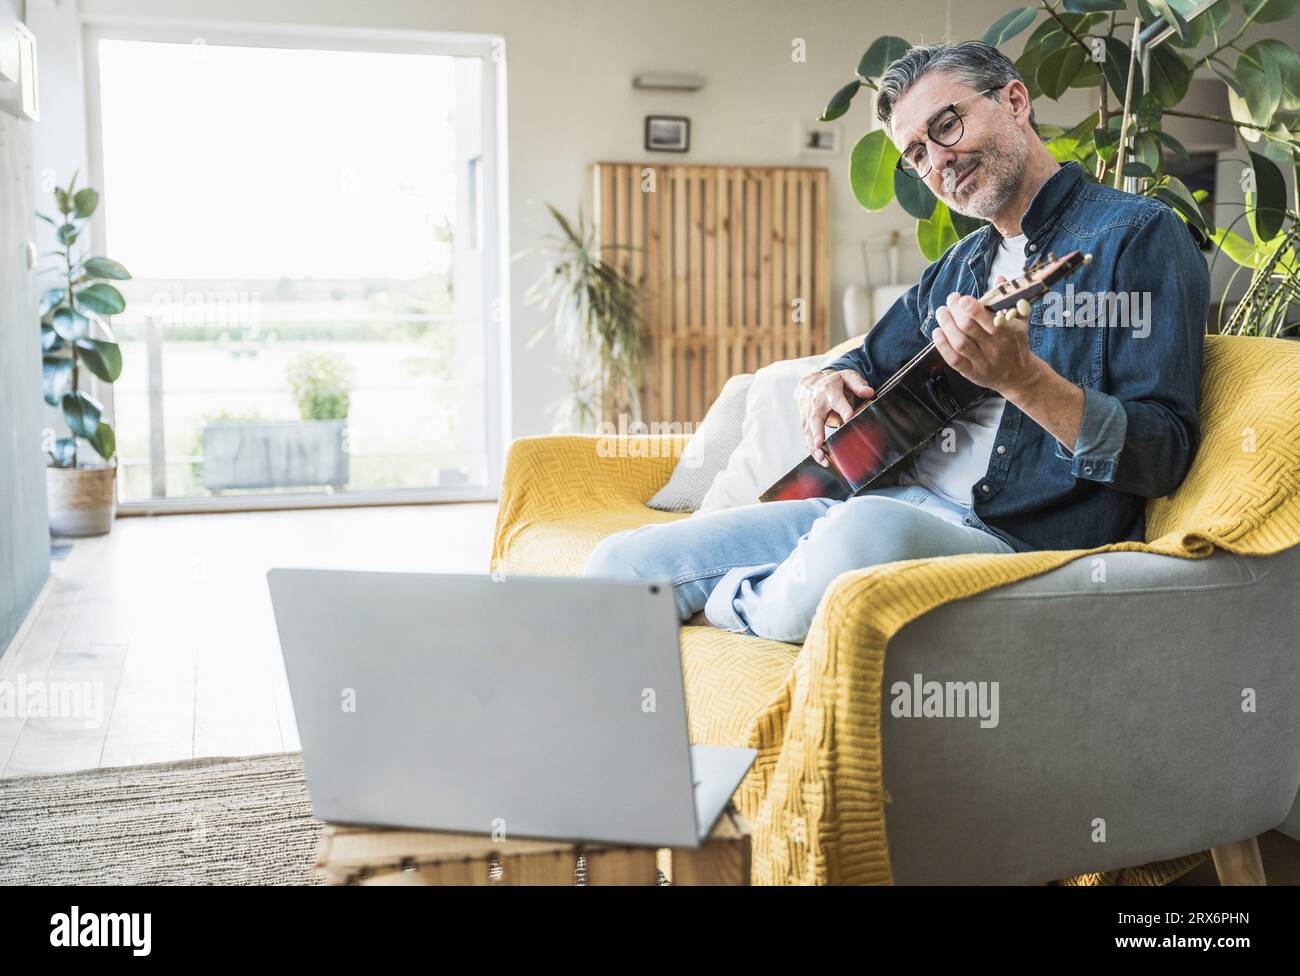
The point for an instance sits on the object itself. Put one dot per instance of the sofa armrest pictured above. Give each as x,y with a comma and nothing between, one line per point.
1123,703
588,478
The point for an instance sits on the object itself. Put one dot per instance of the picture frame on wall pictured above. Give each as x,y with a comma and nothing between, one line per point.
667,133
818,139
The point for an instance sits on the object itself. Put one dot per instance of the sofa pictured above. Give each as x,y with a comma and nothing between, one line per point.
1149,692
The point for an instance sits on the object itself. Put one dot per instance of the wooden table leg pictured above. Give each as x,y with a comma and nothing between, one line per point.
724,860
1239,863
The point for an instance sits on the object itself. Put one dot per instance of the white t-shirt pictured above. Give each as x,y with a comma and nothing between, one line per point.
952,473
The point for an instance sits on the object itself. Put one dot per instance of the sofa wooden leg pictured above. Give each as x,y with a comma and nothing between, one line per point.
1239,863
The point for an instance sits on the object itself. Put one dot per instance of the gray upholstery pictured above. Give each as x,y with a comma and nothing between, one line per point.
1118,699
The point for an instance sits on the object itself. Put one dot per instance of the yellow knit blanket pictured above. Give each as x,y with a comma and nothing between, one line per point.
1241,495
815,797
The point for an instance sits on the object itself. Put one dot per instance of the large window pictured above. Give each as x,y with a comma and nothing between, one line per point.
308,229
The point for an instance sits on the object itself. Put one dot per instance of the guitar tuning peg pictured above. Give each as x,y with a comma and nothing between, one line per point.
1002,288
1050,257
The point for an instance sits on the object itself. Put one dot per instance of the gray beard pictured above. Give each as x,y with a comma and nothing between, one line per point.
1004,171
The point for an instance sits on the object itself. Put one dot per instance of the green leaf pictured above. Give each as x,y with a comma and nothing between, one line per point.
81,411
1089,76
1077,142
871,170
1269,11
68,324
1058,69
1115,68
67,234
104,440
1107,141
64,452
1218,16
1146,149
1270,192
61,200
51,299
102,357
1148,111
56,378
840,101
1284,154
1138,169
1285,62
1171,16
101,267
1173,144
1010,24
936,235
1175,193
1227,79
85,202
1092,6
1262,87
1170,75
913,195
964,225
1241,113
1027,64
1236,247
1196,29
50,340
883,51
101,298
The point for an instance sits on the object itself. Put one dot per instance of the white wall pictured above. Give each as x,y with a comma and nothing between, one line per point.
570,64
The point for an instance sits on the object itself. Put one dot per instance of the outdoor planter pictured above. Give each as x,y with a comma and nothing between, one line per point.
277,454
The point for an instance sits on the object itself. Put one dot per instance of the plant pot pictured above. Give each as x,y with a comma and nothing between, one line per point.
82,501
277,454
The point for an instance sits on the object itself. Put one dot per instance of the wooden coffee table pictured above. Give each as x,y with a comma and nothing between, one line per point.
385,856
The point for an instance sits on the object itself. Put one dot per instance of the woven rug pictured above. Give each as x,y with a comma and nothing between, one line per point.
241,821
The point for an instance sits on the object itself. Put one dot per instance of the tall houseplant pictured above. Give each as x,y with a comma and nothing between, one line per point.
1085,44
597,320
75,337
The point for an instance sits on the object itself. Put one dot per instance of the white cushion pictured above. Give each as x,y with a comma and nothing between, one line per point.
707,451
771,441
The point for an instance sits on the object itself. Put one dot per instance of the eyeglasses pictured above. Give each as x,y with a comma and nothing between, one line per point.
945,129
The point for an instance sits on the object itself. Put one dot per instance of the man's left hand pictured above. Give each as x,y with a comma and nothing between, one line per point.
993,356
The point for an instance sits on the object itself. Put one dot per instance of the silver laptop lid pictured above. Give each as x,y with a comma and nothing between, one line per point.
537,706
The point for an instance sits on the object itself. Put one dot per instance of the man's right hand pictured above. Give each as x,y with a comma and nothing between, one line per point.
823,396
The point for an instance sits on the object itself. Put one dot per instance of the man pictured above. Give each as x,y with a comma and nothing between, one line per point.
1092,407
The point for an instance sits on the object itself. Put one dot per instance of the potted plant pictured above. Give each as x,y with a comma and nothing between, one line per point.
597,320
282,454
1081,44
75,337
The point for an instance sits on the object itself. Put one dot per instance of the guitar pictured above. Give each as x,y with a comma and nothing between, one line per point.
913,405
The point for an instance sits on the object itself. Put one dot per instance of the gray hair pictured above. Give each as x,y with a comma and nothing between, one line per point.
973,63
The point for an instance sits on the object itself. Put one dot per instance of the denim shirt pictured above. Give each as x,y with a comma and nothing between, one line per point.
1139,364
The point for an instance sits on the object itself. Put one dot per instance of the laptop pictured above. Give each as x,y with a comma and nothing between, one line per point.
523,706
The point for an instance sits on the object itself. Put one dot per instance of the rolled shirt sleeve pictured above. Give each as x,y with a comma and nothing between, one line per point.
1101,438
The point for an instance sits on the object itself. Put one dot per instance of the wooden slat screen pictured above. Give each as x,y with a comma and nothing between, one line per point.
735,264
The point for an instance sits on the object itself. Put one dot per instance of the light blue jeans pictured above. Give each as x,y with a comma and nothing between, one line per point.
762,569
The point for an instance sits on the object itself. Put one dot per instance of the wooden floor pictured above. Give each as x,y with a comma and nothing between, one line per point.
168,617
